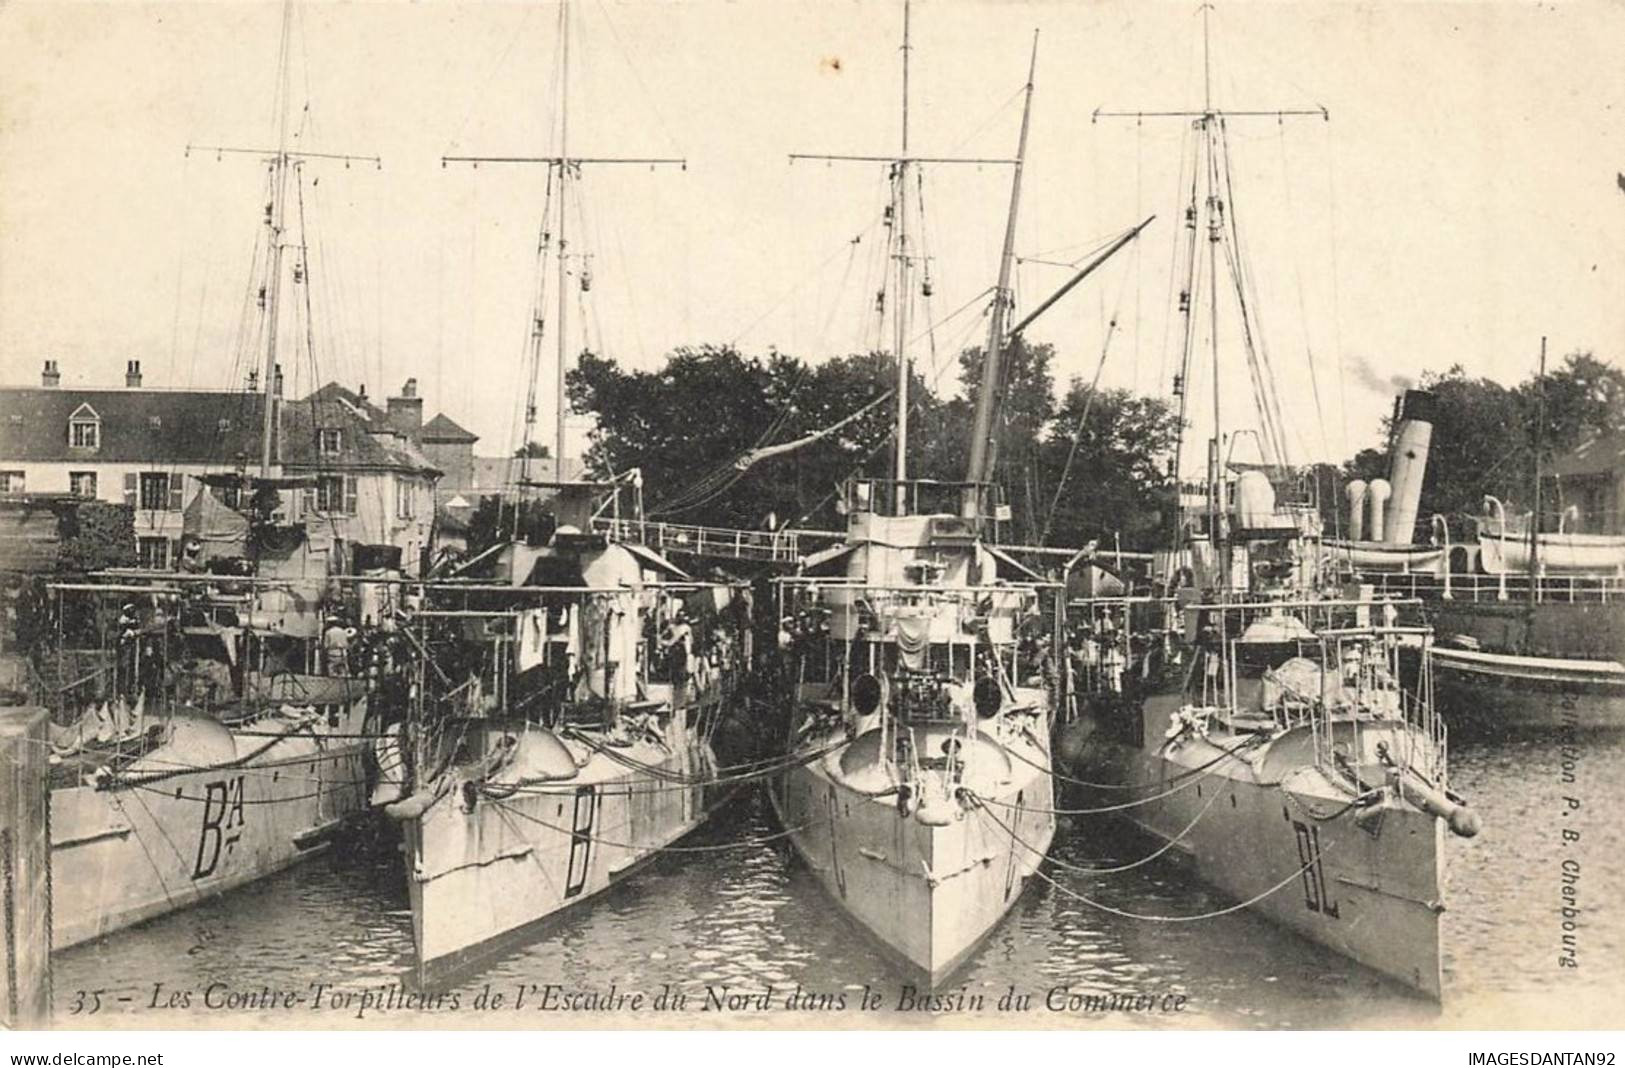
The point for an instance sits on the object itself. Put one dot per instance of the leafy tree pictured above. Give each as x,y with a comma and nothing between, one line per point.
689,425
1118,483
493,523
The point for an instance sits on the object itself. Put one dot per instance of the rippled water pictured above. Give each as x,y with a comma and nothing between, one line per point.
752,917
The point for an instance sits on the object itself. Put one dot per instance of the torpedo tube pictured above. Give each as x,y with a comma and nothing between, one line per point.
1463,821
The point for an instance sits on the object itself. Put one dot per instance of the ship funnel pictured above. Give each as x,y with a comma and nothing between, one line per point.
1413,432
1378,494
1355,492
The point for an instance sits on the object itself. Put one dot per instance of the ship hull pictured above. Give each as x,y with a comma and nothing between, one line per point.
929,895
1270,830
486,872
144,848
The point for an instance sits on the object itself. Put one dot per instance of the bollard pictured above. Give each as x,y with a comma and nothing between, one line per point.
25,868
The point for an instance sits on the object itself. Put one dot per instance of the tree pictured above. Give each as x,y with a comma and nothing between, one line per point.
493,523
535,450
691,424
1118,482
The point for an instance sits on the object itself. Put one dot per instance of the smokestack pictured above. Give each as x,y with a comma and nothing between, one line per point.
132,374
1355,492
1408,463
50,377
254,381
276,381
1379,491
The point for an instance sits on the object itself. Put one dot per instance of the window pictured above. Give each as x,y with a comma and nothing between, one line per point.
334,495
403,499
84,428
13,482
82,483
153,491
154,553
329,441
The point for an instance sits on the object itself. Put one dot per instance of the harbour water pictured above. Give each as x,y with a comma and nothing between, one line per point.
750,919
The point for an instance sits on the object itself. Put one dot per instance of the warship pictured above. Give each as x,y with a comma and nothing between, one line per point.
564,728
1251,718
918,670
572,686
210,720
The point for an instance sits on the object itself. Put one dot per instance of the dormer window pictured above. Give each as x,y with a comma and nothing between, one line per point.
329,441
85,428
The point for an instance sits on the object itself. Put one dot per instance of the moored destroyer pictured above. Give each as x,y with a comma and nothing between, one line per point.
210,721
572,698
1277,741
1244,715
917,667
918,663
202,748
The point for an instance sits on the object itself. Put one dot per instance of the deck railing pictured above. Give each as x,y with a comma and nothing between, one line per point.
782,546
1570,589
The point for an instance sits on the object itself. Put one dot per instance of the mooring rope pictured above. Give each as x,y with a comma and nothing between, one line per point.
1103,907
1233,750
599,840
1185,779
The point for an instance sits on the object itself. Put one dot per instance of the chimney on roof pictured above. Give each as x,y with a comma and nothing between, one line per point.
406,410
276,381
132,374
362,392
50,377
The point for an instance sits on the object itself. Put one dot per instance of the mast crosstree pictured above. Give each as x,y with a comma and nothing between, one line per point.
279,160
1209,214
900,166
561,168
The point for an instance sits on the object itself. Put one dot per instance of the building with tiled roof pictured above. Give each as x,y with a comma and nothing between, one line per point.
374,484
151,448
1590,479
140,446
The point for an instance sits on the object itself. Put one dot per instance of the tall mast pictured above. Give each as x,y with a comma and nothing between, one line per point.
279,173
900,166
281,160
564,176
560,166
1209,123
900,315
983,447
1215,489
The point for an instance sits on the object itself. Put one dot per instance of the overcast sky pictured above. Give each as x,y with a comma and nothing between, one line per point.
1461,202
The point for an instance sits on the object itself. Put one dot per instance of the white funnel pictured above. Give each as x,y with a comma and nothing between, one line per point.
1355,492
1408,464
1379,492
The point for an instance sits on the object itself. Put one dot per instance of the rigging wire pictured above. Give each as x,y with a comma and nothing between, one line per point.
1083,417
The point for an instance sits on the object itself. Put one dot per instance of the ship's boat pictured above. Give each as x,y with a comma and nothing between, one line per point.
919,791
